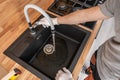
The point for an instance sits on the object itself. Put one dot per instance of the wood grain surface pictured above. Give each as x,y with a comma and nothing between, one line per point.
12,24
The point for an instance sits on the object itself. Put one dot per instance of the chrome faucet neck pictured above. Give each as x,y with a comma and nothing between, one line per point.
28,6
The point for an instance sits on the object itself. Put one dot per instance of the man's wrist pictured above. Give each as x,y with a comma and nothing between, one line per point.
55,22
71,79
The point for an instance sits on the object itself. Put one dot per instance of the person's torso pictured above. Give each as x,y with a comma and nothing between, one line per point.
108,62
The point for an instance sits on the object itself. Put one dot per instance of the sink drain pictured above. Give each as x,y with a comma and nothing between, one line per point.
48,49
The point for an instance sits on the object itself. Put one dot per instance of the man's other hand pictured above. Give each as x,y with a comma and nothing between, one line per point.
64,74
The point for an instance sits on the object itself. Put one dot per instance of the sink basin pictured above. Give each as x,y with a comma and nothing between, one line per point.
27,50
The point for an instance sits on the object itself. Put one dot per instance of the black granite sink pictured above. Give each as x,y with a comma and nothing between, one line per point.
27,50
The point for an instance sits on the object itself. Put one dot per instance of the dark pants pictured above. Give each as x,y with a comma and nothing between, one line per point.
94,69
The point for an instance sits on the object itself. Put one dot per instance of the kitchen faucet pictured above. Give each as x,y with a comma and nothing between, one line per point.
39,10
45,15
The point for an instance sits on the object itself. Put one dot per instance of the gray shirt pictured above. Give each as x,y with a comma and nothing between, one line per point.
108,57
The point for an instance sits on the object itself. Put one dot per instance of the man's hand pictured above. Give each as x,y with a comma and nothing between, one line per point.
45,22
64,74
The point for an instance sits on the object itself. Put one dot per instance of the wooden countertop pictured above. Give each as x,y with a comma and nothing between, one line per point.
13,23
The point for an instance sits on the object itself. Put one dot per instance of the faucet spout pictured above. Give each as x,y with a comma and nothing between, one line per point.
39,10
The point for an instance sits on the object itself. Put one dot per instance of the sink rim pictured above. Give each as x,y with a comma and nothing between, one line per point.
41,75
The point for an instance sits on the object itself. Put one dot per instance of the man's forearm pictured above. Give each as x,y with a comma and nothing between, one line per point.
81,16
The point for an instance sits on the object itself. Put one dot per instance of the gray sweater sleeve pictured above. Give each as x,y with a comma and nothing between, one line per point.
108,8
